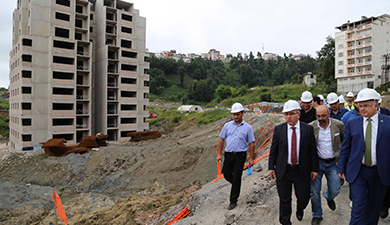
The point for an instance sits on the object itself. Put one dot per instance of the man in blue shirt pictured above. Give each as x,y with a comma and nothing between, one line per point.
238,134
335,111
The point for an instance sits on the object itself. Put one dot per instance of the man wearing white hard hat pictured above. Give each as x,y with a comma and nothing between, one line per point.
238,134
322,99
293,161
382,110
349,104
308,113
386,200
335,111
364,158
329,133
341,101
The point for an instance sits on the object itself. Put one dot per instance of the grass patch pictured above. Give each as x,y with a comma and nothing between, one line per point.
280,93
172,117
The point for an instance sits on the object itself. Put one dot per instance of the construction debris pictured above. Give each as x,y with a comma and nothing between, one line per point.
58,147
143,135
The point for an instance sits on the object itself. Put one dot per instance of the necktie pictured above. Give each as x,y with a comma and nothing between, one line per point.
294,147
367,153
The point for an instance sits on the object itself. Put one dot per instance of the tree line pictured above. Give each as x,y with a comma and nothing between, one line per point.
215,80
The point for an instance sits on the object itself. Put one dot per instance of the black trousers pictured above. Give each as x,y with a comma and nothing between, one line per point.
386,200
233,166
284,187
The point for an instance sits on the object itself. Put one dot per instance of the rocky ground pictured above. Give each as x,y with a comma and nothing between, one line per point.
147,183
128,183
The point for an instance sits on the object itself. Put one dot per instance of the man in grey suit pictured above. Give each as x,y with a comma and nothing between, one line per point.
329,134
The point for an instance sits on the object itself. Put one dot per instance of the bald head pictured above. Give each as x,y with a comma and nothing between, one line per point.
322,109
323,115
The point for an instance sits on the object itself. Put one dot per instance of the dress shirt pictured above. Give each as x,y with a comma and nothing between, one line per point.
324,144
237,136
374,132
289,136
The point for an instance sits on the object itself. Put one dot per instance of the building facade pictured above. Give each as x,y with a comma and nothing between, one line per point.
77,68
359,47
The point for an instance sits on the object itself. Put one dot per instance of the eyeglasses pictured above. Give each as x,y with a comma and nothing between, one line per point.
323,116
290,114
365,106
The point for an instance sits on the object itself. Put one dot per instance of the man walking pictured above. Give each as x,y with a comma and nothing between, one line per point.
364,159
308,113
293,159
335,111
238,134
349,104
329,134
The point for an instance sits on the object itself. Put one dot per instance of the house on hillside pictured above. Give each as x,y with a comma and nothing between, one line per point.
310,79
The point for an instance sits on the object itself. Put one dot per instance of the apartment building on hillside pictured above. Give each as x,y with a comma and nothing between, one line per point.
359,47
77,68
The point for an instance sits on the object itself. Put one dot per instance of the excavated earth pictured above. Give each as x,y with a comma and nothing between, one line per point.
148,182
126,183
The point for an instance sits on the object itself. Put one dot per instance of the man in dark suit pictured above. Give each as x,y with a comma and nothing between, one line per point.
365,159
386,200
293,160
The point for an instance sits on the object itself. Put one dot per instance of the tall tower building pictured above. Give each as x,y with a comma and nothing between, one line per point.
359,47
77,68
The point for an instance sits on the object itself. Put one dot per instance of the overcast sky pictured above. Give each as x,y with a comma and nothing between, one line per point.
283,26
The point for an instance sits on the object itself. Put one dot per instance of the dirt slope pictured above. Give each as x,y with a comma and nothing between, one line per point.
134,182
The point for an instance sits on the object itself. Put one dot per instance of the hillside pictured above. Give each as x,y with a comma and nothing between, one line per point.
148,182
133,181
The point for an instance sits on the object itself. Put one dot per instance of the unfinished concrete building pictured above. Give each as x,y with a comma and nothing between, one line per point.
77,68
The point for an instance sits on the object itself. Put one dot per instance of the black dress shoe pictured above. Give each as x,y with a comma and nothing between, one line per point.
384,213
316,221
332,205
231,206
299,214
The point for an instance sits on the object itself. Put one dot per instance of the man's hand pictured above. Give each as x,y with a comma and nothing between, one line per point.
251,162
341,175
272,174
314,175
219,158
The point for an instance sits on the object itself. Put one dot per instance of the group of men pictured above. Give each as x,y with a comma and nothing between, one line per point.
331,137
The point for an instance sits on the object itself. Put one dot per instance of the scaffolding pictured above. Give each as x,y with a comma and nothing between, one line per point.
385,69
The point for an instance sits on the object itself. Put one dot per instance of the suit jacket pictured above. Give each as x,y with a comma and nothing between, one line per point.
308,158
336,132
384,111
353,147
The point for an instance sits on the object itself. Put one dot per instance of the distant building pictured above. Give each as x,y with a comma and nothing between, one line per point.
205,55
299,56
169,54
214,54
270,56
76,68
359,47
193,55
310,79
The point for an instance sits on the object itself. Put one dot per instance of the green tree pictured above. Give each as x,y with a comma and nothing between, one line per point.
181,71
222,92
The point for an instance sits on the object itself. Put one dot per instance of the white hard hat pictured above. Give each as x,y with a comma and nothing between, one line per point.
380,98
341,99
321,97
350,94
332,98
290,105
306,96
237,107
367,94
